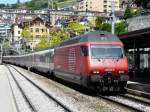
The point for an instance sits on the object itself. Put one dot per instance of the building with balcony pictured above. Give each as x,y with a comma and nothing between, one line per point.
38,27
97,5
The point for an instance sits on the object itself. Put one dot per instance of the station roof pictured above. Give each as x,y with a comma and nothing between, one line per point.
136,39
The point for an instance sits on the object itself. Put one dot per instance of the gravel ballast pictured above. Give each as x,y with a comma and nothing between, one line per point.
77,101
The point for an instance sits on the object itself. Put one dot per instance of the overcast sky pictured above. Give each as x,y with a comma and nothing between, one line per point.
11,1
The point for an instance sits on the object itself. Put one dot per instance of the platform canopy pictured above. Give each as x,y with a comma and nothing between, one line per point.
136,39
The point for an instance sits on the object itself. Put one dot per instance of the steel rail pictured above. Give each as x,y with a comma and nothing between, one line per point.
13,94
43,91
138,93
120,103
136,99
22,92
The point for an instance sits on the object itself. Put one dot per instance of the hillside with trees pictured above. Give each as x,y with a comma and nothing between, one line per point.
39,4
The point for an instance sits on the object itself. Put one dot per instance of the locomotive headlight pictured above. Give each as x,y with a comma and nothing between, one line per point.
121,71
95,72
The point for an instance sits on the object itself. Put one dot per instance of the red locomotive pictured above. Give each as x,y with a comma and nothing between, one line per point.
95,60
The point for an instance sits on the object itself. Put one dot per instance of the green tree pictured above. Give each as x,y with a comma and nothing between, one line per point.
75,27
44,43
98,22
121,27
58,36
36,4
2,5
55,40
6,45
55,5
14,6
40,4
128,13
27,34
106,27
136,12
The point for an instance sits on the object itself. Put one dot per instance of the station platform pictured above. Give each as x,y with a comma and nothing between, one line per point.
145,80
7,102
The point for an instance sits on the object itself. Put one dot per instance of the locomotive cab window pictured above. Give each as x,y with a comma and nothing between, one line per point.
84,51
107,51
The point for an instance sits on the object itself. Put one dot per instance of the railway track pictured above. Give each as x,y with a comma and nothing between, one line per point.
137,98
21,81
138,93
126,100
129,101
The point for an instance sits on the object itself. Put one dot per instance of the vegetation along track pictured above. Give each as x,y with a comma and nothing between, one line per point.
33,107
129,102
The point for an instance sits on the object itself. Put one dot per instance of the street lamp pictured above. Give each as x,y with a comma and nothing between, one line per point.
113,16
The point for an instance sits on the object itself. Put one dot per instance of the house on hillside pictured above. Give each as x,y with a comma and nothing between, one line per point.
38,27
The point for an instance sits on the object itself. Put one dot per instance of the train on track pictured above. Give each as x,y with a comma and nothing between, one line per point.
95,60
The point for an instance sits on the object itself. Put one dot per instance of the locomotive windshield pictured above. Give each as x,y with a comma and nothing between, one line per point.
106,51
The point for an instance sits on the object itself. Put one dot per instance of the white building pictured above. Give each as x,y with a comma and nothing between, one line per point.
16,32
98,5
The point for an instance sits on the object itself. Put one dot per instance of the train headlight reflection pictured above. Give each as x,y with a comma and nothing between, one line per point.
95,72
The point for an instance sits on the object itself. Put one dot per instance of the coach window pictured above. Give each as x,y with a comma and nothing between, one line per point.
84,51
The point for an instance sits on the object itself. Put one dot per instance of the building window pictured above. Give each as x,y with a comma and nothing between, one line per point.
37,36
38,23
18,32
81,7
86,4
37,30
31,29
105,6
42,30
105,1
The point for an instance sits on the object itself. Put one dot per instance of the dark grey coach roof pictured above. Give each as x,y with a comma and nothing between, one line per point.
95,36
